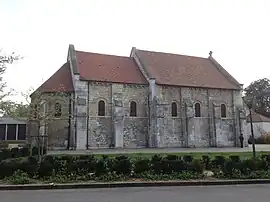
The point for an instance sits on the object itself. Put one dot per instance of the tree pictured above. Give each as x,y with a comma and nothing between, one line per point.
46,114
13,109
254,90
4,61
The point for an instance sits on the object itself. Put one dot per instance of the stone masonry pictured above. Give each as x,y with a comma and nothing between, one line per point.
153,125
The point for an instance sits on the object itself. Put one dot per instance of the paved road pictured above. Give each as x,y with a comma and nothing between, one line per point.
164,150
246,193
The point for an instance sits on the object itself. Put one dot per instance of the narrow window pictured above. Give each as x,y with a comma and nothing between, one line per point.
35,111
223,110
133,109
197,110
101,108
57,110
174,109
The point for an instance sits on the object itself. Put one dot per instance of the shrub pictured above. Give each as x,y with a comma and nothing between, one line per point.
35,150
45,169
178,166
122,165
6,154
266,157
156,158
24,151
171,157
15,152
230,167
101,167
206,161
218,162
86,167
3,144
196,166
141,165
19,177
188,158
235,158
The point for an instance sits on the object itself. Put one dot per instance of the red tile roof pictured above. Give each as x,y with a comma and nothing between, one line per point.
182,70
60,81
108,68
256,118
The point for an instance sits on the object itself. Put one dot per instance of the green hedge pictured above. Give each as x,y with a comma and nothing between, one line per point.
89,165
17,152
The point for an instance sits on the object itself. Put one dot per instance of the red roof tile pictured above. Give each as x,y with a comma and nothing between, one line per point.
60,81
181,70
256,118
108,68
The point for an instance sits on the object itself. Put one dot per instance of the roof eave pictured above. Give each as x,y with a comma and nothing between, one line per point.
194,86
224,72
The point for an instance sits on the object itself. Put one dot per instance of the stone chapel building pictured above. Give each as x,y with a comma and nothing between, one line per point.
149,99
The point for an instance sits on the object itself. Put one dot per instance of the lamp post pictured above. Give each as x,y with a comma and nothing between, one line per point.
252,132
250,101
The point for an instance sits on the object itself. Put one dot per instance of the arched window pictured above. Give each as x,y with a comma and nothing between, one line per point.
197,110
174,109
223,110
101,108
57,110
133,109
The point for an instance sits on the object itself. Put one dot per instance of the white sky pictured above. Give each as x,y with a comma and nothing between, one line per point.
40,30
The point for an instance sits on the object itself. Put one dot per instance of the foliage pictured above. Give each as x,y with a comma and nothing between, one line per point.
7,153
4,61
254,90
14,110
19,177
68,168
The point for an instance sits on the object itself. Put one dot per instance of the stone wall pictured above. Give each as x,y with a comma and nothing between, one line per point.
55,128
100,128
186,130
117,127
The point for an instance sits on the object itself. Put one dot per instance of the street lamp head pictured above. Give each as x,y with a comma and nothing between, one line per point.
249,101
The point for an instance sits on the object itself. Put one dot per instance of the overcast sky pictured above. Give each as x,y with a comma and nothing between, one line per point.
40,30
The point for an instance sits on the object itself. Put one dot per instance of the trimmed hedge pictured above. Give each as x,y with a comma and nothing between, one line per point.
18,152
85,165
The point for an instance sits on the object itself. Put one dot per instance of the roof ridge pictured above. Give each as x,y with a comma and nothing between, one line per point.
176,54
104,54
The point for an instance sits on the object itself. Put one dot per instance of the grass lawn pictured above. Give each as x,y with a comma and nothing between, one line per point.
242,155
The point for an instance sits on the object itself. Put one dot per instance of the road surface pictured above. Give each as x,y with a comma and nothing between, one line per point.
164,150
245,193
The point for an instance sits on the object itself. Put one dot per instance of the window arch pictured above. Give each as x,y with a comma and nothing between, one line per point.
133,109
174,109
57,110
223,110
101,108
197,110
